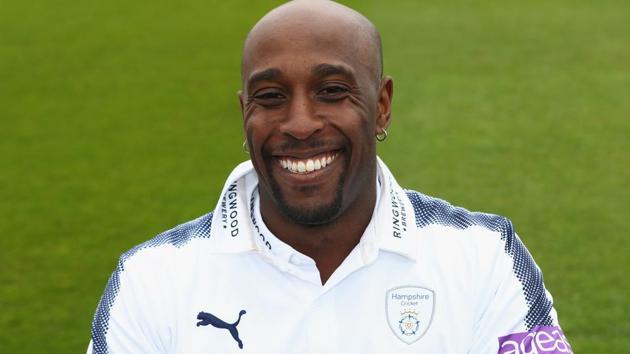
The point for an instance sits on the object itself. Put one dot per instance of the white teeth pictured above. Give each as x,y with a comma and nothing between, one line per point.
310,165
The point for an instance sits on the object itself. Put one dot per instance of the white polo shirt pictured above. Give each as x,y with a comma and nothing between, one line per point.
426,277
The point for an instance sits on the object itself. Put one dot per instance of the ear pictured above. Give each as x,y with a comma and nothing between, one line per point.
241,100
385,95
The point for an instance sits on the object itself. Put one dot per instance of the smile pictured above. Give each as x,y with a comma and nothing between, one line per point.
305,166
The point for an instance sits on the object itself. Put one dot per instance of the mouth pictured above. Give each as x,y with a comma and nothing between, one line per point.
304,166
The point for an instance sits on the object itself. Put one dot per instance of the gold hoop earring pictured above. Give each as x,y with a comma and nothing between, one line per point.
382,136
245,147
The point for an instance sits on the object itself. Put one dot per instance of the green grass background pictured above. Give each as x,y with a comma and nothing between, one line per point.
119,119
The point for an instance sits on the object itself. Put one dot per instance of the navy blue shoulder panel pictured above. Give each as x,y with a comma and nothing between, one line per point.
178,236
430,211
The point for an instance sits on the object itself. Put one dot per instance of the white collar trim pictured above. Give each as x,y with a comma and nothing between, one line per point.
233,229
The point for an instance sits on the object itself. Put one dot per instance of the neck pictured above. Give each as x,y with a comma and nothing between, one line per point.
327,244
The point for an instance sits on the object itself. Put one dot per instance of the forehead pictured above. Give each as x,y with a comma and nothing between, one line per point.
291,46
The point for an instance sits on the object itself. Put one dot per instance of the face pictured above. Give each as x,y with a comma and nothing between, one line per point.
311,108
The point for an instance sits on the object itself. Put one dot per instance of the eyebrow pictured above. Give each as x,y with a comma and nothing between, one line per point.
329,70
268,74
321,70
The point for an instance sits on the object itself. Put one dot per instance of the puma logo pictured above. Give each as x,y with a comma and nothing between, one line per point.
210,319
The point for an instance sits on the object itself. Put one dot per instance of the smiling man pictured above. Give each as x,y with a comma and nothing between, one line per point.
313,246
313,100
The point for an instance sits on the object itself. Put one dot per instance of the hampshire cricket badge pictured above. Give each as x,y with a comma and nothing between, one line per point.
409,312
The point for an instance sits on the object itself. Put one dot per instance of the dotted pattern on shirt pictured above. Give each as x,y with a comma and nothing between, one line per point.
430,210
178,236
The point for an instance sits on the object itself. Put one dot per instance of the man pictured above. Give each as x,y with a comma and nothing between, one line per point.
313,246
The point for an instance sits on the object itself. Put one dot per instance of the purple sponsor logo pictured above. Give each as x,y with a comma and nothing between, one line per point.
541,339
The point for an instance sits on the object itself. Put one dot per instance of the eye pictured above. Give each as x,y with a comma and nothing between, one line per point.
268,98
333,92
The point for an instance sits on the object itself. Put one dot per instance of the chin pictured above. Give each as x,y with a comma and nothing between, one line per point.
310,214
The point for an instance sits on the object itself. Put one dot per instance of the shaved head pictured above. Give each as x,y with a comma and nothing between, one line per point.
314,96
300,19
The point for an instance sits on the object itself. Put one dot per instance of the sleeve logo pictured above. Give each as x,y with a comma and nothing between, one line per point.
540,339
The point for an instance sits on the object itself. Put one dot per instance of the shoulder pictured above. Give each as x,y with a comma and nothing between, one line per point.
431,211
175,240
150,266
488,244
445,231
142,279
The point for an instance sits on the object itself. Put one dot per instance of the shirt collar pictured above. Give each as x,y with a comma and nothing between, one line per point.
395,219
266,242
237,225
231,226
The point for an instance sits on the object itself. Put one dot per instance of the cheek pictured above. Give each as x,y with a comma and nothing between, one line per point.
258,128
352,111
362,108
256,137
359,124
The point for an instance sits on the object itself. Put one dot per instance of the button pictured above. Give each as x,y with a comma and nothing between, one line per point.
295,259
300,260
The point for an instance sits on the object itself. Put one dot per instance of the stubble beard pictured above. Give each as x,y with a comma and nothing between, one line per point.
318,215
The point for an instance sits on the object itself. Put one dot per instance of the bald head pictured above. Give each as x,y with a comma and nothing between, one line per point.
300,21
312,87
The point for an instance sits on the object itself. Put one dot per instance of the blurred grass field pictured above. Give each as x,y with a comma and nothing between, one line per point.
119,120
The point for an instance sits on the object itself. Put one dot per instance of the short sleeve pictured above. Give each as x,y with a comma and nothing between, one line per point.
126,321
516,312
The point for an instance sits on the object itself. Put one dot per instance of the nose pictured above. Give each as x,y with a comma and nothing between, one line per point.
302,120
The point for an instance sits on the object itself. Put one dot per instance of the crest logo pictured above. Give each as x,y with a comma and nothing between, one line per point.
409,311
